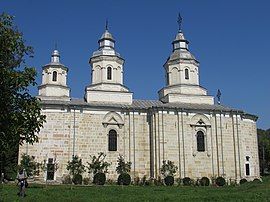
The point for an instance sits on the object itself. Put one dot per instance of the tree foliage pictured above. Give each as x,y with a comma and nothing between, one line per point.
264,150
98,164
122,166
29,164
20,113
75,166
168,168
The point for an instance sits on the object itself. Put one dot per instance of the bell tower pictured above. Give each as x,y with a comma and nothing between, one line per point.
182,75
54,80
107,74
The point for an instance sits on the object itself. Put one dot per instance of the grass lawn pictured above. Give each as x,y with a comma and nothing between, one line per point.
53,193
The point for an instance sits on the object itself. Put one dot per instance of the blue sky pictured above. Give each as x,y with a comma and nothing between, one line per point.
231,39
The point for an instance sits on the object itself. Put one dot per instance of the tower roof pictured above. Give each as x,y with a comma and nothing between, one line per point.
106,35
55,60
106,45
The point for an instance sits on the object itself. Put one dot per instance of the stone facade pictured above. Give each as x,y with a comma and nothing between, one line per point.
184,126
147,137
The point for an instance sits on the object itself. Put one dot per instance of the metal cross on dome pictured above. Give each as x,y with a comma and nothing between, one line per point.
179,21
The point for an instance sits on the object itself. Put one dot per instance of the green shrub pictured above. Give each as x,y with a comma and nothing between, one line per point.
99,179
169,180
158,181
77,179
256,180
168,168
111,182
136,181
204,181
122,167
186,181
124,179
66,179
76,168
29,164
98,164
243,181
143,181
220,181
86,181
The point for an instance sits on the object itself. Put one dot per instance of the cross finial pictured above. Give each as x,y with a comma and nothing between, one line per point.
179,21
106,26
55,46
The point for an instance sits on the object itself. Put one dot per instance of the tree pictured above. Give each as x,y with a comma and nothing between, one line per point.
20,113
264,150
76,169
98,164
29,164
122,167
168,168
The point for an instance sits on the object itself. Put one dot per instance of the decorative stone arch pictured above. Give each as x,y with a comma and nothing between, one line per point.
186,73
97,72
174,75
200,122
112,119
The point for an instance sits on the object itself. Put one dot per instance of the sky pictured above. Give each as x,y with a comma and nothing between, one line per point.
231,40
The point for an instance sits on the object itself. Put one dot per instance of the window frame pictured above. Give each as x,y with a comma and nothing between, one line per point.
54,76
112,140
186,73
200,138
109,73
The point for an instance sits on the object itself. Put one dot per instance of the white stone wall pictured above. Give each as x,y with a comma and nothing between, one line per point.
148,138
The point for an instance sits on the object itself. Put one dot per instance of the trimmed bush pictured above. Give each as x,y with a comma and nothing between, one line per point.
158,181
256,180
220,181
124,179
99,179
86,181
169,180
77,179
66,179
136,181
204,181
186,181
243,181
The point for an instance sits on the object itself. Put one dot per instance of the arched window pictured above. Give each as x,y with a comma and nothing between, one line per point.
186,74
167,78
112,140
200,142
54,77
109,73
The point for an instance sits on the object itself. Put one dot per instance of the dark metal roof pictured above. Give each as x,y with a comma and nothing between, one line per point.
146,104
139,104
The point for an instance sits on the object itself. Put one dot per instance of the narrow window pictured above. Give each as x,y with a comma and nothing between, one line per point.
247,169
50,169
109,73
200,142
54,78
186,74
167,78
112,140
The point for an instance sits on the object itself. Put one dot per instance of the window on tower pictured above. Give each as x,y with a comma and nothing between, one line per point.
186,74
112,140
200,141
54,76
109,73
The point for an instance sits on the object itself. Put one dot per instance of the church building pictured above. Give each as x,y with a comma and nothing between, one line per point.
184,125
